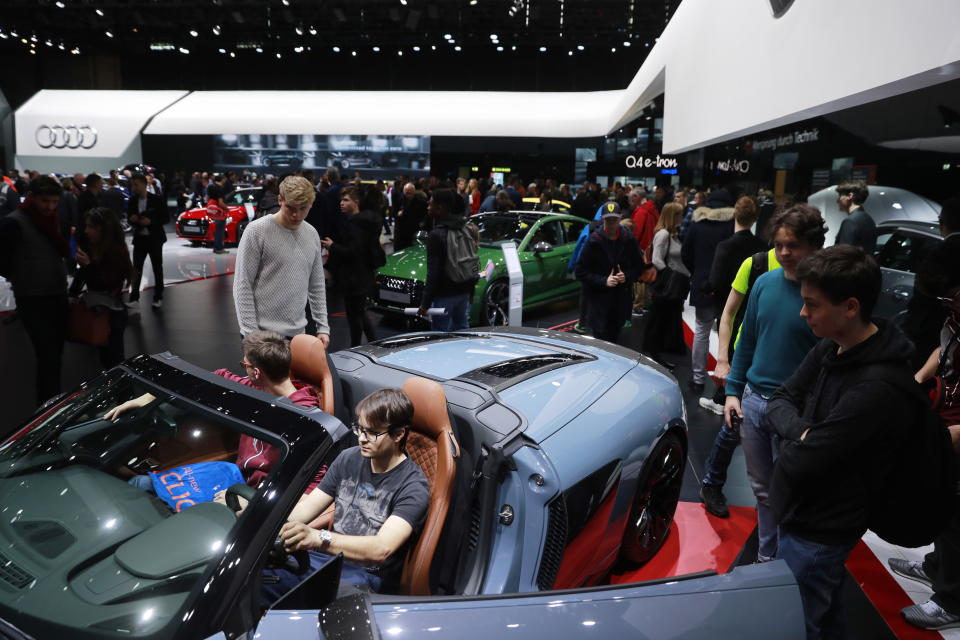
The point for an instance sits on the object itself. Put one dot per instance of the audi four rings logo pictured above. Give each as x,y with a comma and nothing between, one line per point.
69,136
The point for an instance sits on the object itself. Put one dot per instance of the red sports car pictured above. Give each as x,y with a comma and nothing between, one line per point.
194,225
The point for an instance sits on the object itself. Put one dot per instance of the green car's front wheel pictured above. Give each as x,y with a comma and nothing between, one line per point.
496,303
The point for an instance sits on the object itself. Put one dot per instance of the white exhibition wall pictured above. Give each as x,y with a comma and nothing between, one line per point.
726,69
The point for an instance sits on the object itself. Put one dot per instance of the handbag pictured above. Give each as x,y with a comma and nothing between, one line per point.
86,325
670,283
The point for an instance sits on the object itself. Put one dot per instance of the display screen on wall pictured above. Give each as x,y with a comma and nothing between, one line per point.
375,156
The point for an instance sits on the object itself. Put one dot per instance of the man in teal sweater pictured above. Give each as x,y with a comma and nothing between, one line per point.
774,339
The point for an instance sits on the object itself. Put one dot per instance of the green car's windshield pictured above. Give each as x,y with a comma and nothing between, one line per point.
495,229
87,547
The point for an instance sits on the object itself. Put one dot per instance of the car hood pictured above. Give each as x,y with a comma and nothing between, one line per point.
201,212
412,261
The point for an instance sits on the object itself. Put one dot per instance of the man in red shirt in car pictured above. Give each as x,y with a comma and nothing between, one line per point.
266,357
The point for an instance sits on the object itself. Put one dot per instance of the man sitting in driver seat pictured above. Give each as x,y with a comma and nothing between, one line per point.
381,499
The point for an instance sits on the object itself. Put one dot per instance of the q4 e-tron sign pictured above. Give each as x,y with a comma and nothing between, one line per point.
780,7
69,136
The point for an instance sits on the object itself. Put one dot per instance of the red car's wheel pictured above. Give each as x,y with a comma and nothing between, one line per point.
655,502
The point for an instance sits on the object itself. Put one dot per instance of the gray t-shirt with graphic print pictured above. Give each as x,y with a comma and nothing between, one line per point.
364,500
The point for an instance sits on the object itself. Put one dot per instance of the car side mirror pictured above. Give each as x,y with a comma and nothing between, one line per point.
542,247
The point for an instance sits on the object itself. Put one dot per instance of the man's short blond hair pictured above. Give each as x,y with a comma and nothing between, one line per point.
297,190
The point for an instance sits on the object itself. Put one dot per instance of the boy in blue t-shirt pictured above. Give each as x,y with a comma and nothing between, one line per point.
774,339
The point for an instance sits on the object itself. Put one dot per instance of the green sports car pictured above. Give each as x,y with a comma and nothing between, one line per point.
544,241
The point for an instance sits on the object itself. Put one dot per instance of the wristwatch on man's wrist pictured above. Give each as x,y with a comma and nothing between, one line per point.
325,537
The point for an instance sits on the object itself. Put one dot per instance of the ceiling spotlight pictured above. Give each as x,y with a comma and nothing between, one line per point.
109,35
494,36
194,33
259,49
298,30
447,36
626,44
416,48
403,2
278,53
216,30
75,51
222,50
353,53
298,49
579,47
399,52
286,3
457,48
473,2
33,51
499,48
48,43
98,12
570,53
59,4
613,49
542,49
433,47
336,49
24,40
184,51
313,31
513,48
233,55
646,44
59,46
376,49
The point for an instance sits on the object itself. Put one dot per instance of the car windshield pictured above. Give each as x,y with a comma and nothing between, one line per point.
244,195
495,229
92,544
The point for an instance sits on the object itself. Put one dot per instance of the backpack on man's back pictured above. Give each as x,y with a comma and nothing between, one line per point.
462,261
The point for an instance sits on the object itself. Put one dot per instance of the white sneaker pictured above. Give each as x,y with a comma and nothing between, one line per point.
157,304
133,306
710,405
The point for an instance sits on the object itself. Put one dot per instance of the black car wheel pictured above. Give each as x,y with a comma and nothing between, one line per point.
195,243
655,502
496,303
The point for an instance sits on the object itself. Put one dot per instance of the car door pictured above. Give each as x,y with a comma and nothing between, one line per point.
541,269
567,284
899,252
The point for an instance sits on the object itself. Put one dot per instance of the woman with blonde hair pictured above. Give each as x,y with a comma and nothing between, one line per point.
664,330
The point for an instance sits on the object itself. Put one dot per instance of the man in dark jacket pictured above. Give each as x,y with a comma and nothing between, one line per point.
352,260
840,432
711,225
447,208
609,265
410,216
147,213
858,228
32,253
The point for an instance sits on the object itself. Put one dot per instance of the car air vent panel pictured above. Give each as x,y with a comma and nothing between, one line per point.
554,545
409,341
12,574
509,372
46,537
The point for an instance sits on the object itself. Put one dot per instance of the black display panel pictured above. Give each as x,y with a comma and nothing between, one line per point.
371,155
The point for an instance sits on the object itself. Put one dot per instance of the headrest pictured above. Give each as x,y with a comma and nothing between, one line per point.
429,406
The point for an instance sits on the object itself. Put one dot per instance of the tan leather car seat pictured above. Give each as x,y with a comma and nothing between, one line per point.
432,445
308,363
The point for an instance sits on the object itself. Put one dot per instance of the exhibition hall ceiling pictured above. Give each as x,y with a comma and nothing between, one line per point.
357,31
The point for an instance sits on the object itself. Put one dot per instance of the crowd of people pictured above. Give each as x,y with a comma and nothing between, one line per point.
795,320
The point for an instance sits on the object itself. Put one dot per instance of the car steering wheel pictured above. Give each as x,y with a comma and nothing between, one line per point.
296,562
236,491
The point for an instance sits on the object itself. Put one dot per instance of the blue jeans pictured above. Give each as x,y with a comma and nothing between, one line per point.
351,573
457,316
142,482
761,446
219,230
726,442
819,570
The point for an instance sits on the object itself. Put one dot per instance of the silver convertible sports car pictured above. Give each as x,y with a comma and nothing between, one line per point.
553,459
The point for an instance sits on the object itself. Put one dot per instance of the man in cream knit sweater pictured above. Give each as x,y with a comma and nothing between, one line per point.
279,268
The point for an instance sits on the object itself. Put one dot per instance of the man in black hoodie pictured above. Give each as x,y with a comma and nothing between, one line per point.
610,263
840,433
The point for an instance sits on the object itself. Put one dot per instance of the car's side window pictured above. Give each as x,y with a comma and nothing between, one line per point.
902,251
571,230
546,232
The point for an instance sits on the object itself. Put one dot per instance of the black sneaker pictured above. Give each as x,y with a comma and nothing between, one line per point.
696,387
714,501
912,569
